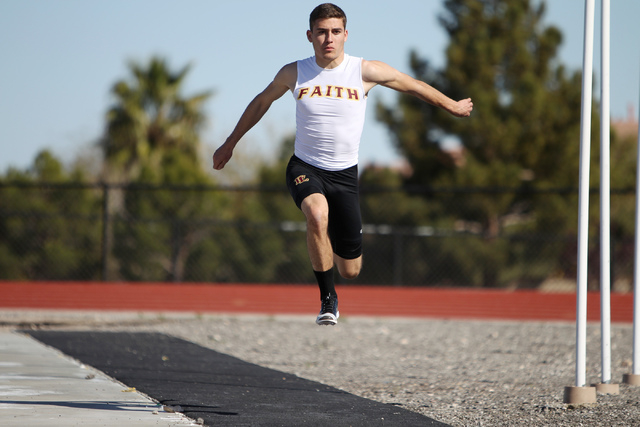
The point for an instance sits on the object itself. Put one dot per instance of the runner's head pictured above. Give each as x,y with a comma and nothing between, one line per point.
328,34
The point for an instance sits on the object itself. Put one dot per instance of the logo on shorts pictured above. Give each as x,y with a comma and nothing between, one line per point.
299,180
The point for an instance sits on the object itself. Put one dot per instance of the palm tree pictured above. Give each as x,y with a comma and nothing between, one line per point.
149,118
149,126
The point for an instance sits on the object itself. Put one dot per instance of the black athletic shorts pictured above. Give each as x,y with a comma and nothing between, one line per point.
341,190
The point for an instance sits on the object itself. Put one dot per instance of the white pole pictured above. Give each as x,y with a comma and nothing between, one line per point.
605,204
583,208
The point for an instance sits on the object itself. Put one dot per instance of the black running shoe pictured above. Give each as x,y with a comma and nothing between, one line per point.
329,311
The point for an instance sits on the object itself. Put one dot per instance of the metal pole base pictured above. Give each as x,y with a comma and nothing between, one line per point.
631,379
603,388
579,395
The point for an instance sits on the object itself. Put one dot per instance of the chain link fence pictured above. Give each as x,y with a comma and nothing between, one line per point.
416,237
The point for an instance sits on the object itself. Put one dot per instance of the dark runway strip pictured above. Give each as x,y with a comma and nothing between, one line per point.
221,389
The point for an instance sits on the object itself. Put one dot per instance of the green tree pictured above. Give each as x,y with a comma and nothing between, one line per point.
152,138
162,219
523,133
48,227
623,205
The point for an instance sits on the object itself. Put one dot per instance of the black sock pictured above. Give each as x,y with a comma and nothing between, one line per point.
325,282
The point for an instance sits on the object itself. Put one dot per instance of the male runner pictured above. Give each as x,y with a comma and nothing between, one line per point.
330,90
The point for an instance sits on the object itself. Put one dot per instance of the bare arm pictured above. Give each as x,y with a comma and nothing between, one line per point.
376,72
283,81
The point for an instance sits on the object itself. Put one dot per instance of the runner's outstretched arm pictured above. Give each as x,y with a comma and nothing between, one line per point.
376,72
283,81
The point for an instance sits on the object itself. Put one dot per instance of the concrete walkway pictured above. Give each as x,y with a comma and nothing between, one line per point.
40,386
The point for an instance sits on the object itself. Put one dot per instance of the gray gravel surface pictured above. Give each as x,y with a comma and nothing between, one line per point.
463,373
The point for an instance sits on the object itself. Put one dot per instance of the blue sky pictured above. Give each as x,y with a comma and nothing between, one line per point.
61,57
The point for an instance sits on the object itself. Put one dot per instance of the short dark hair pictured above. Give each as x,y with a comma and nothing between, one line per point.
326,11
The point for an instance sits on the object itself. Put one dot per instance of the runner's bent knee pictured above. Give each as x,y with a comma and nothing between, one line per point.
316,211
349,269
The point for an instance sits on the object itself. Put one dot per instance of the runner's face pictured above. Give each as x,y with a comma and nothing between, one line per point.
328,37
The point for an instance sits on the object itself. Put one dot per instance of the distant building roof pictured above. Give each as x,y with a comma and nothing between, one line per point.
627,127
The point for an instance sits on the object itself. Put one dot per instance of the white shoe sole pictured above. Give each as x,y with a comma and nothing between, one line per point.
327,319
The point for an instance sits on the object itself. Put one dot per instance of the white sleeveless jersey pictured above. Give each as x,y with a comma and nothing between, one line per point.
330,111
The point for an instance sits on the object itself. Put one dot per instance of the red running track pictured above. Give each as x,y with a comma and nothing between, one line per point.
456,303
